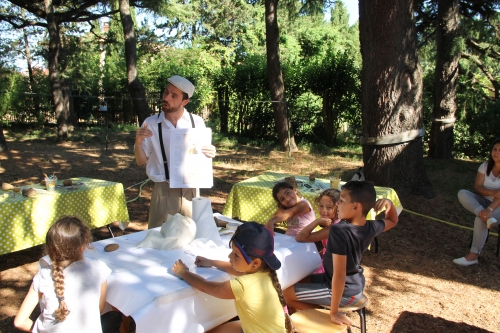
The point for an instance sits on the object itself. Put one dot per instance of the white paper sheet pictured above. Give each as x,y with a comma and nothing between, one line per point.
189,167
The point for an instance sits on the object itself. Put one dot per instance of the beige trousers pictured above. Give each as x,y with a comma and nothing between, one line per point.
166,200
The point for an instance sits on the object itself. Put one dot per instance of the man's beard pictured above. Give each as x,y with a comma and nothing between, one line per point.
170,108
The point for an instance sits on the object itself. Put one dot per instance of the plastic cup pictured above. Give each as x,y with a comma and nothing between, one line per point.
335,183
50,184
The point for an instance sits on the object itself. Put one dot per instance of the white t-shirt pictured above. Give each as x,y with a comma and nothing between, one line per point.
490,182
82,290
151,146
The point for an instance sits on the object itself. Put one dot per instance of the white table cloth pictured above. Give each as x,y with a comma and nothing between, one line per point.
142,284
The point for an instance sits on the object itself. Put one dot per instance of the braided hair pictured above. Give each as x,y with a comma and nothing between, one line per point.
63,243
276,283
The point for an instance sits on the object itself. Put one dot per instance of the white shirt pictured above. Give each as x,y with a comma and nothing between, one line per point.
490,182
82,291
152,148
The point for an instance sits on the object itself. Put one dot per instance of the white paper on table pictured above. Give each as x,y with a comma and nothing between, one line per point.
189,167
226,219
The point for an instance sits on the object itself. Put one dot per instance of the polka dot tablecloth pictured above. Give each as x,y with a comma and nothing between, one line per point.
252,200
24,221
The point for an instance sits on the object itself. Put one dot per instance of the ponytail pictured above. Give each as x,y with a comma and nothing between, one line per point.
57,274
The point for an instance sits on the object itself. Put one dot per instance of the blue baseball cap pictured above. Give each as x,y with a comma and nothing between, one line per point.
253,239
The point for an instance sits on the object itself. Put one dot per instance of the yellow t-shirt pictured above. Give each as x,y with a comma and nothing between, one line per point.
258,304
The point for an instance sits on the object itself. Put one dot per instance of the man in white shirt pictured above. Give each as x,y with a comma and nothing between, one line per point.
149,151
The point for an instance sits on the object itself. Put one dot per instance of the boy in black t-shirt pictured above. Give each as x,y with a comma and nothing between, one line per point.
343,282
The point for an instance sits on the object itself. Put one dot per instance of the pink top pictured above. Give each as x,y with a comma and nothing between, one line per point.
298,222
322,253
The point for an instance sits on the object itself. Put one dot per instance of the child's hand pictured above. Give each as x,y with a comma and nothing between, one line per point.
179,267
324,222
383,203
203,262
340,319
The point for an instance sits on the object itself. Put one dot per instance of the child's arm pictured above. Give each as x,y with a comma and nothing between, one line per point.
281,214
219,264
391,215
102,298
338,284
22,320
307,233
217,289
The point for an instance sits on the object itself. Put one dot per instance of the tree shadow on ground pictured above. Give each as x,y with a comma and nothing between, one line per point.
427,248
421,322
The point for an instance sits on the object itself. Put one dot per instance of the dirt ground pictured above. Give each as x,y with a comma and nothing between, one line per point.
412,283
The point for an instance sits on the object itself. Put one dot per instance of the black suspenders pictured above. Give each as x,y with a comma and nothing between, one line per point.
160,135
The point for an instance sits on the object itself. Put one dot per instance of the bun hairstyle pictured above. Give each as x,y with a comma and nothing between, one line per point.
63,243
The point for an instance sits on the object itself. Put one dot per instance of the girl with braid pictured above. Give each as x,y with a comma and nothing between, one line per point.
71,289
256,290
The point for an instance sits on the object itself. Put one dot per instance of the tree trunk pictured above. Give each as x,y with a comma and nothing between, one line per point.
223,101
34,98
3,142
135,87
28,59
391,85
445,80
275,78
67,89
62,113
329,117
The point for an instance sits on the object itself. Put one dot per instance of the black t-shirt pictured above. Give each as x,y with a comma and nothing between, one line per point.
352,241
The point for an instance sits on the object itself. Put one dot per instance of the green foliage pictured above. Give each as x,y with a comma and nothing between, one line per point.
10,83
220,47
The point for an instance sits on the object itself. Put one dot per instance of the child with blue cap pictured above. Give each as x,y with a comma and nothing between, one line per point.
256,290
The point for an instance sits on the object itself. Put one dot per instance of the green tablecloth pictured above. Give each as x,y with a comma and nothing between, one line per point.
252,200
24,222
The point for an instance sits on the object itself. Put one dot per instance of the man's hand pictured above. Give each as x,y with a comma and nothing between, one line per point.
142,133
209,151
340,319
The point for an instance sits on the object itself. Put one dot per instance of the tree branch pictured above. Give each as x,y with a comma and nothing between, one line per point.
485,71
485,50
31,7
19,23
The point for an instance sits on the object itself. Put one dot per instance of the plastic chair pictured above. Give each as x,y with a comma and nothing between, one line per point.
315,321
360,308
